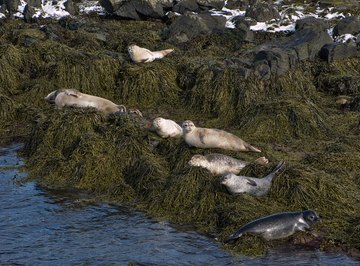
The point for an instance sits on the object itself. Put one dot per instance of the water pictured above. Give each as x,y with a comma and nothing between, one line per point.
39,227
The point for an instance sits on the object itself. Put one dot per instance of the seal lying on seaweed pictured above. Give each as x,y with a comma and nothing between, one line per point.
166,128
213,138
72,97
254,186
279,225
219,164
143,55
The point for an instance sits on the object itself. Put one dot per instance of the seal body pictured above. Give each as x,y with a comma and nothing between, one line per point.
213,138
219,164
279,225
143,55
166,128
74,98
254,186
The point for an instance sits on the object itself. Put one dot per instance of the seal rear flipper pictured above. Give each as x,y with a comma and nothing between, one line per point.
232,238
251,182
278,168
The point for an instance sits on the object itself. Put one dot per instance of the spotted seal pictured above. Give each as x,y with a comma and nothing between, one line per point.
72,97
254,186
143,55
219,164
166,128
276,226
213,138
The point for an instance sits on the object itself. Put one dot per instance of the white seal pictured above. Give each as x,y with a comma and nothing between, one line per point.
143,55
219,164
74,98
213,138
166,128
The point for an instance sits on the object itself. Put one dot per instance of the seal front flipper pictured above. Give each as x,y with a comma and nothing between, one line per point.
251,182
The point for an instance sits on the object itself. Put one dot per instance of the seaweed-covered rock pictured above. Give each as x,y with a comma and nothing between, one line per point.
312,23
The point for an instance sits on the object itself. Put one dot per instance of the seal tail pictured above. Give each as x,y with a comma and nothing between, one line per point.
232,238
162,53
277,170
251,148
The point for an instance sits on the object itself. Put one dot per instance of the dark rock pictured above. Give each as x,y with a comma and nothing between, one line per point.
127,10
238,20
188,26
186,5
347,5
111,5
149,8
358,39
245,33
210,4
312,23
71,7
69,23
11,7
34,3
338,51
262,11
237,4
29,12
349,25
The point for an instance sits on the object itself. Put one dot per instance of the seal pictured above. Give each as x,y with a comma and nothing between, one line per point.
254,186
74,98
279,225
166,128
219,164
213,138
143,55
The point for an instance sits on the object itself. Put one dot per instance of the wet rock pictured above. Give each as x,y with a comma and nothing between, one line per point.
237,4
262,11
10,7
209,4
340,5
338,51
350,25
29,12
69,23
245,33
34,3
71,7
186,27
238,20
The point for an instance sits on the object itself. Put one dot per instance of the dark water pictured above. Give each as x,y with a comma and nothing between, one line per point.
39,227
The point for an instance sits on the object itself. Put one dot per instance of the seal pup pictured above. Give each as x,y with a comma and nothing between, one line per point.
254,186
74,98
219,164
279,225
166,128
213,138
143,55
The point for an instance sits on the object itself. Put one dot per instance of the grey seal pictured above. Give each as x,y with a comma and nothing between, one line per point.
143,55
213,138
254,186
166,128
219,164
72,97
279,225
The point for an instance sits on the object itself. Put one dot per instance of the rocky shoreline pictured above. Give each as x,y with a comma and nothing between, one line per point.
293,93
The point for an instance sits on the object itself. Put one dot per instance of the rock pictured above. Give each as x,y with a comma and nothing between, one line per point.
245,33
69,23
11,7
350,25
71,7
312,23
188,26
237,4
262,11
34,3
238,20
210,4
338,51
111,5
186,5
29,12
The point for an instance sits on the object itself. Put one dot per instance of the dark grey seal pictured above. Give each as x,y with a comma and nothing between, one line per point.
254,186
279,225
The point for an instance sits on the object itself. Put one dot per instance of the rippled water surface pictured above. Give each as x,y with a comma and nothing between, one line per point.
39,227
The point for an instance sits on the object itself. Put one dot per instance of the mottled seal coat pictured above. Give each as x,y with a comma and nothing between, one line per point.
213,138
254,186
219,164
279,225
74,98
143,55
166,128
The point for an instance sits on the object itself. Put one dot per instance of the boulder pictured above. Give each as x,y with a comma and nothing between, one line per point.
237,4
312,23
338,51
186,5
210,4
29,12
350,25
188,26
71,7
262,11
